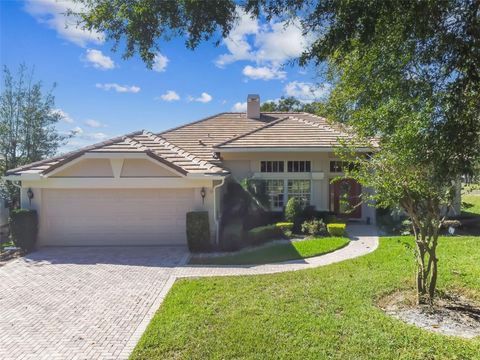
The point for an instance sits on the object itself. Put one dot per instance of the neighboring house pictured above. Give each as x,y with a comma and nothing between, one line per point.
136,189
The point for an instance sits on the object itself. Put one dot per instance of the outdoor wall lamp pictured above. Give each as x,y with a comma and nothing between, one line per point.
30,196
203,193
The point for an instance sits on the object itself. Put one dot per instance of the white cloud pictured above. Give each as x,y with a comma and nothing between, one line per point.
77,130
52,14
118,88
268,45
307,92
240,107
81,139
170,95
203,98
98,136
237,41
280,42
160,63
65,117
94,123
263,73
98,60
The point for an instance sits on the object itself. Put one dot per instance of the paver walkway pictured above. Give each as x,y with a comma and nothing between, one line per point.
95,303
364,240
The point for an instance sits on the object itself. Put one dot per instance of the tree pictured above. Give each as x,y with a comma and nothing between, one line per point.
414,86
27,124
289,104
404,72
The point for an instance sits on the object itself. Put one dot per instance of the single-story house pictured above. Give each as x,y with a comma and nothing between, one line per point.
137,188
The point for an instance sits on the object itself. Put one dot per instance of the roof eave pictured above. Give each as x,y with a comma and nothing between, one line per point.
285,148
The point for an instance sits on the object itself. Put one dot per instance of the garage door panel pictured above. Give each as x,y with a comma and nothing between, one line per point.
115,217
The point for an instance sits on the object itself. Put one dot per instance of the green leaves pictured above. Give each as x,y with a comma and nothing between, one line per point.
27,124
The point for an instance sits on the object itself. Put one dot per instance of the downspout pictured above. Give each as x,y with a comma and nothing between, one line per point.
215,218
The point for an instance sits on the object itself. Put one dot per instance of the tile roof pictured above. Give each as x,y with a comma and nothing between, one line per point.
144,142
191,148
289,132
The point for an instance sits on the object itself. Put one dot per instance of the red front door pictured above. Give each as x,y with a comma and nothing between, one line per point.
344,198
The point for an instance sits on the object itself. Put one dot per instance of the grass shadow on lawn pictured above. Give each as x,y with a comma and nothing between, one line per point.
275,252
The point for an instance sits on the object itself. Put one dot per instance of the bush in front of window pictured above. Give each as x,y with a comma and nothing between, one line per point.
24,228
198,231
294,212
315,227
336,230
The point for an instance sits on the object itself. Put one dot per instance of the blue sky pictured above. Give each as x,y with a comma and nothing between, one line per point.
103,95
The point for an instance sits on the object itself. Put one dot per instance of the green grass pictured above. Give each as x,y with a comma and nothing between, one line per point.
6,244
471,204
276,252
324,313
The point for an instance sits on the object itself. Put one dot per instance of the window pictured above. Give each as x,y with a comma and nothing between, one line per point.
275,190
338,166
271,166
299,189
298,166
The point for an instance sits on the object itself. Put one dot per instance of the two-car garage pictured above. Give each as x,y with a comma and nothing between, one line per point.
85,217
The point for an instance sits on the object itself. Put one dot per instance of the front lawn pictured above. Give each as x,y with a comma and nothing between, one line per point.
276,252
471,204
324,313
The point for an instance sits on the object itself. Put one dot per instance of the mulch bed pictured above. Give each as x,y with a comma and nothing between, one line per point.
451,314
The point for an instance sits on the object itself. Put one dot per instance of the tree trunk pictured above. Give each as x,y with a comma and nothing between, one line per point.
426,239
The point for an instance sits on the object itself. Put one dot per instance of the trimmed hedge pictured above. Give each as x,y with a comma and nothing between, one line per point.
336,230
198,231
24,228
285,226
265,233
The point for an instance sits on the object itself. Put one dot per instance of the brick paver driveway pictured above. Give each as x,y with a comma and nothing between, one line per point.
82,303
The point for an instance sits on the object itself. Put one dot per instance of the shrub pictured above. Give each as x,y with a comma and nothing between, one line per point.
24,228
336,229
232,236
198,231
262,234
286,228
451,223
406,227
294,212
314,227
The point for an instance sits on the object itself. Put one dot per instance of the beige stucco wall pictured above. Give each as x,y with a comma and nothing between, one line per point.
247,164
144,168
103,168
87,168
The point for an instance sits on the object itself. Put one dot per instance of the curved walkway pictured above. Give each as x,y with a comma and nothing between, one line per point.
364,240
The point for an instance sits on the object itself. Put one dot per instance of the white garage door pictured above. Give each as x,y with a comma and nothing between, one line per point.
114,217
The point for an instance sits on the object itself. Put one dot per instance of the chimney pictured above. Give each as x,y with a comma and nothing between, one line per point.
253,106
